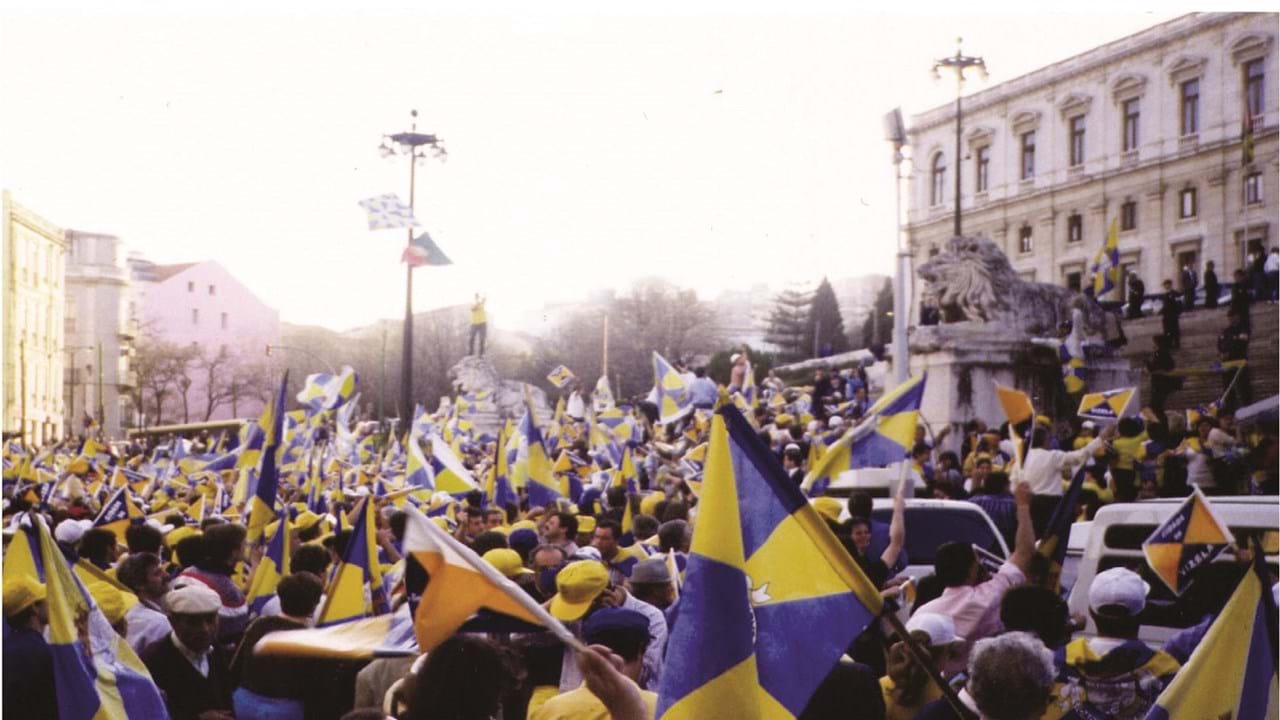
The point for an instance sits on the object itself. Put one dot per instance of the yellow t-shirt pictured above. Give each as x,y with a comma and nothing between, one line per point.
581,704
477,313
1129,450
895,711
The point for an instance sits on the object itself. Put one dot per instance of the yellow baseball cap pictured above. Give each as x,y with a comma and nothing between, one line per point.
305,520
20,593
524,524
507,562
586,524
179,534
783,419
827,507
578,585
649,502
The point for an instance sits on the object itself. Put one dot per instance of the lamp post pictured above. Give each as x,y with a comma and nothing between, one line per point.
75,375
959,63
413,144
896,133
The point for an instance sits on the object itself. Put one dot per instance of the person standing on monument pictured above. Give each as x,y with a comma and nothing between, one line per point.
1137,291
479,326
1212,288
1170,310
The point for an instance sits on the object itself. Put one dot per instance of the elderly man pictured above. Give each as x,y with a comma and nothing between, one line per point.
1113,674
187,666
144,575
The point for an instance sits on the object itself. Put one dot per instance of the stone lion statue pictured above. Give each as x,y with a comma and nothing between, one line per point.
972,281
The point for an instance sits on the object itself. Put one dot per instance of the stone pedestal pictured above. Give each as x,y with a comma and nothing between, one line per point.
505,399
966,360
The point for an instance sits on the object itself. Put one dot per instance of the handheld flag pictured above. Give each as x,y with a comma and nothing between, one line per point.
674,400
451,475
1106,264
1016,404
1192,537
1058,531
356,588
1232,672
534,465
424,251
769,581
561,376
388,211
884,436
118,513
450,583
273,566
323,391
1109,406
262,504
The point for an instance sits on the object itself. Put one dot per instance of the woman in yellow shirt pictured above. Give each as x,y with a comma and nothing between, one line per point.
907,688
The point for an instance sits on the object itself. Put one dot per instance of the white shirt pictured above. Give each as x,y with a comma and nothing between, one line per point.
146,625
1042,469
199,661
1272,263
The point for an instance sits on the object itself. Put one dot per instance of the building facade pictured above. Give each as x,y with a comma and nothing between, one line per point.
223,326
1148,132
99,332
34,292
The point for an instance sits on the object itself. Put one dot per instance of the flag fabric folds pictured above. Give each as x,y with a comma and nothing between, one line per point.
96,673
673,398
561,376
1016,404
1232,672
1109,406
456,584
450,475
884,436
324,391
356,588
422,250
1058,530
1106,264
534,467
118,513
262,504
768,581
1191,538
388,211
273,566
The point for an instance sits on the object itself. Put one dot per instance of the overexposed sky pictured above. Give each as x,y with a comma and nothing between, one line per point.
716,146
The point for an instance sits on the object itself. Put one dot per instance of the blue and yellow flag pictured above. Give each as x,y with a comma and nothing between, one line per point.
499,490
448,473
118,513
251,439
1109,406
356,588
325,391
1191,538
96,673
561,376
273,566
1106,264
1058,531
884,436
262,508
1232,673
674,400
771,599
534,466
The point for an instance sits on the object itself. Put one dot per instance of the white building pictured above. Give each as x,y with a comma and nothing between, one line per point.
98,330
1146,131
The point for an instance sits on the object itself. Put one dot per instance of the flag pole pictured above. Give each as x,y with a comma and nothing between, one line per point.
922,659
605,370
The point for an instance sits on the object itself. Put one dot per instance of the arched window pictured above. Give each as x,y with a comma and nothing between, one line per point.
937,179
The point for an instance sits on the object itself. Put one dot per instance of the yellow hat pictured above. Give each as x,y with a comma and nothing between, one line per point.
526,525
507,562
179,534
783,419
578,585
805,419
20,593
586,524
114,604
827,507
305,520
1044,420
649,502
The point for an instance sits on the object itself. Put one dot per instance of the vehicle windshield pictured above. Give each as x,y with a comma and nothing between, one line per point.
929,527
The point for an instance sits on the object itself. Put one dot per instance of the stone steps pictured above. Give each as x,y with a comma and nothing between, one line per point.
1200,329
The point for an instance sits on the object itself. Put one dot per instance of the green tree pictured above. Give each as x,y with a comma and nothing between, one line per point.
787,324
877,329
824,330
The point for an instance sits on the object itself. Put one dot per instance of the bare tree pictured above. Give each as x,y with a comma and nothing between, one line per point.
161,367
215,370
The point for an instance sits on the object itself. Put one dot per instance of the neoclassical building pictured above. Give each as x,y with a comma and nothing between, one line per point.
1149,132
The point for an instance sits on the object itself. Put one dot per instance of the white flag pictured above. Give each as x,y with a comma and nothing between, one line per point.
387,211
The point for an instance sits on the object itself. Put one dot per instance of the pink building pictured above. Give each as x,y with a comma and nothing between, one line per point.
202,307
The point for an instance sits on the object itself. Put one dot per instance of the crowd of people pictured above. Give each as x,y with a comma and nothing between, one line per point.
606,557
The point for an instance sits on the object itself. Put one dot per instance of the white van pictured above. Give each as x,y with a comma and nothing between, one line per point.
1115,540
930,523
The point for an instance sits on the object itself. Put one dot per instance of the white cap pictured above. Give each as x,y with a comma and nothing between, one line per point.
587,552
791,446
70,531
835,421
1119,586
1088,424
734,358
941,629
193,599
